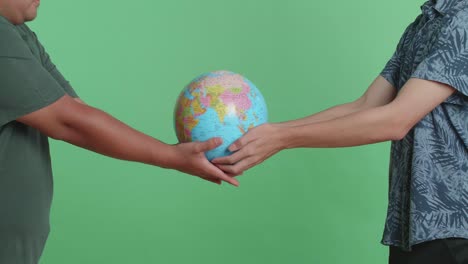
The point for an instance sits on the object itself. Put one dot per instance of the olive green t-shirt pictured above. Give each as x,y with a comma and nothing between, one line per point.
28,81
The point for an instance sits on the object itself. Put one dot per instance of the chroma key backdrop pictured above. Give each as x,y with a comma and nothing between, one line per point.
132,59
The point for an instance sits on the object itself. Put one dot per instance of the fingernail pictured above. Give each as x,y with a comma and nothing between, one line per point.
232,148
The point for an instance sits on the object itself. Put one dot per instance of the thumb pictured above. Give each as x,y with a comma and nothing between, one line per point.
209,144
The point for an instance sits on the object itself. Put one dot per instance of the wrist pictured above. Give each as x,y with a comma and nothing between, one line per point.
284,138
165,156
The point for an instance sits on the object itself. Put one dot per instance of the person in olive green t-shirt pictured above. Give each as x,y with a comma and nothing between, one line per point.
36,102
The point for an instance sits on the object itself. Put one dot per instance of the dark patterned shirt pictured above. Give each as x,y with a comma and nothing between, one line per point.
428,187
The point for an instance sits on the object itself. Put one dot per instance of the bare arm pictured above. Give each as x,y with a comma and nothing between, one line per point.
380,92
388,122
79,100
87,127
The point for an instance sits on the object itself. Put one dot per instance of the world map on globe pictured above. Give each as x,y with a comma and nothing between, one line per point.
218,104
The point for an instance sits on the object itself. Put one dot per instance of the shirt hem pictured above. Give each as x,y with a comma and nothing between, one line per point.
400,244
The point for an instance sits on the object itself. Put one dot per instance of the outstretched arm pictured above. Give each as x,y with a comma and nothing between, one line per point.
379,93
87,127
391,121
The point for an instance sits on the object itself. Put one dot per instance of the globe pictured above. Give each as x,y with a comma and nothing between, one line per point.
218,104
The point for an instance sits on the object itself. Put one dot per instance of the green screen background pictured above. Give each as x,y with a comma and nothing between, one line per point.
132,58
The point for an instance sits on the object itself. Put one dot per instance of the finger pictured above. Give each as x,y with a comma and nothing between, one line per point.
239,167
208,145
228,169
240,143
214,172
247,163
216,181
234,175
230,174
231,159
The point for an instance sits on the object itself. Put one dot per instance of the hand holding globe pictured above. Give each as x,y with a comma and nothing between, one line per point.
218,104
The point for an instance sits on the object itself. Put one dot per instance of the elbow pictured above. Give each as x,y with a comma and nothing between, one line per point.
55,120
398,133
59,132
398,130
64,128
73,125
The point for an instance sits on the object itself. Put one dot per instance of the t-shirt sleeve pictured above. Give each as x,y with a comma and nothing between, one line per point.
392,69
447,61
53,70
391,72
25,85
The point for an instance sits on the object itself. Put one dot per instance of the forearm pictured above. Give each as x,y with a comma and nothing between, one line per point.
97,131
359,128
381,120
379,93
328,114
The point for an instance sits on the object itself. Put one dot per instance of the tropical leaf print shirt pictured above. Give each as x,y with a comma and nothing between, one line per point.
428,181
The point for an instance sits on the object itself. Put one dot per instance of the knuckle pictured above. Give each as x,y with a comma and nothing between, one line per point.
235,171
250,151
212,143
226,169
229,170
197,147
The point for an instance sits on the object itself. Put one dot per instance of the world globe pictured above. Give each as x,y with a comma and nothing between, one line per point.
220,104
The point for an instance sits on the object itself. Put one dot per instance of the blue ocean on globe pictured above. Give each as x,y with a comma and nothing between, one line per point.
218,104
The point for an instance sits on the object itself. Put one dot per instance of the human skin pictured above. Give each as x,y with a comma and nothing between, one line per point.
19,11
379,115
71,120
